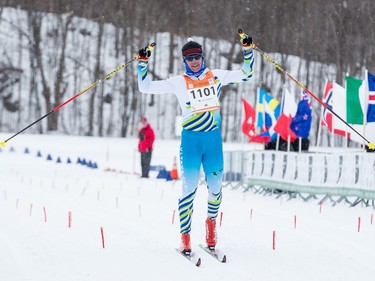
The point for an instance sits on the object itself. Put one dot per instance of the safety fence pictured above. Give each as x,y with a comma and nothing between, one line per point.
343,175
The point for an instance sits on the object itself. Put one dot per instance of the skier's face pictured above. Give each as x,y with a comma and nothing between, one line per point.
194,62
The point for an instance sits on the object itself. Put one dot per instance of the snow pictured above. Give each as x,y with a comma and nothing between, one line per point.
136,218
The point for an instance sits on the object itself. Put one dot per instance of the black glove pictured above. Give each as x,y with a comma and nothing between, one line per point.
144,53
247,42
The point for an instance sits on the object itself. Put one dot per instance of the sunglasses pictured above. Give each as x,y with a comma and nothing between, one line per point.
194,57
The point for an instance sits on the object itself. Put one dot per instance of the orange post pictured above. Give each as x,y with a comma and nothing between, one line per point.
174,171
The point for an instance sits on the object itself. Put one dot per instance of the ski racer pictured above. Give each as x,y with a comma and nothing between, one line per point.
198,92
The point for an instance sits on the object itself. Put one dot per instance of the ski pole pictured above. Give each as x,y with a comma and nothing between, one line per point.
93,85
370,144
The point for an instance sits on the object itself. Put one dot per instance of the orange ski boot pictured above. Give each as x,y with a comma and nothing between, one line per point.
185,244
211,236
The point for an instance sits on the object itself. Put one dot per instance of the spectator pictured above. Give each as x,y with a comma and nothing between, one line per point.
146,140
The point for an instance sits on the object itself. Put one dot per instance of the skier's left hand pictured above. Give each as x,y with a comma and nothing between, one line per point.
246,40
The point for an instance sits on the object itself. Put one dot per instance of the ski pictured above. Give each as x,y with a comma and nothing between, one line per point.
214,253
191,258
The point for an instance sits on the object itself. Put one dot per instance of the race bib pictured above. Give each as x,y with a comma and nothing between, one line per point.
203,99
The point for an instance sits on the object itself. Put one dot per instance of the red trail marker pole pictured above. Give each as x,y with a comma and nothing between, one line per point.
45,214
69,219
174,212
359,224
102,234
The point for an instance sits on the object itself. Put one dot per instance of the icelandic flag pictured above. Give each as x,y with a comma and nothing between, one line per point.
371,97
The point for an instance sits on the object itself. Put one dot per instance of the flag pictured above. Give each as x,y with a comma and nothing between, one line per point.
371,97
268,111
288,112
354,96
301,122
327,100
339,107
367,130
262,137
264,116
267,134
248,124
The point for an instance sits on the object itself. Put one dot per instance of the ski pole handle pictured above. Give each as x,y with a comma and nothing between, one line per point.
151,46
246,40
241,33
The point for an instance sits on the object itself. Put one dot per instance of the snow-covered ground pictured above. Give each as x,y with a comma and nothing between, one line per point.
135,216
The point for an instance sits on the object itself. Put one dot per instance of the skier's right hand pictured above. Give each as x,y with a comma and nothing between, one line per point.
144,53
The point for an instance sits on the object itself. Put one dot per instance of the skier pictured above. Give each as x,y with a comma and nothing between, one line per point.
198,91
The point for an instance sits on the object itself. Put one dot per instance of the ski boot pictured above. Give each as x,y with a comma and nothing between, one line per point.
185,244
211,236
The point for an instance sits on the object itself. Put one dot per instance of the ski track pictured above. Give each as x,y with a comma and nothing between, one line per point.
136,217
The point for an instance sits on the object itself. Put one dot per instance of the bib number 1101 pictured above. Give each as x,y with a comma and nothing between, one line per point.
203,92
203,99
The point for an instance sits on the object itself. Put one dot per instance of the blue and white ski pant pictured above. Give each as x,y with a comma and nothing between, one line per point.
206,149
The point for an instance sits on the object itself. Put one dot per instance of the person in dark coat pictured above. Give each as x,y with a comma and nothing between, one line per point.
146,140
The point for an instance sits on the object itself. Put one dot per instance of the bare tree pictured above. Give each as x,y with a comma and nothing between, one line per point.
336,32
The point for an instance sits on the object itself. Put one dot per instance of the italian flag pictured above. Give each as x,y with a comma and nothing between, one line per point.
355,95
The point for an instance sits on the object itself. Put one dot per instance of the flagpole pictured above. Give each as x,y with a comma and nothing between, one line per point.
333,122
346,96
365,97
321,117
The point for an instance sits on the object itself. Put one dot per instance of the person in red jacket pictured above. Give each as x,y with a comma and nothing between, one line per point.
146,140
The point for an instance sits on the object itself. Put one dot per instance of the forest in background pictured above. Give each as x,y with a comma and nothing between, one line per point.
334,33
